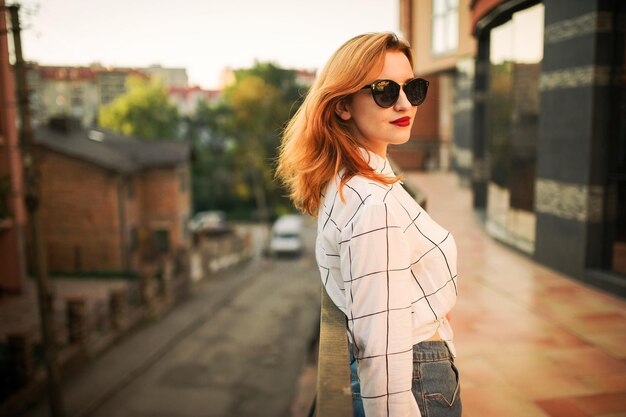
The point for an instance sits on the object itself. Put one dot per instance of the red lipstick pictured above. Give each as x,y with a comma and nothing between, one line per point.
402,122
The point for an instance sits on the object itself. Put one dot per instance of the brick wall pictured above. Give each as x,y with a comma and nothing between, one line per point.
80,218
132,213
165,202
99,220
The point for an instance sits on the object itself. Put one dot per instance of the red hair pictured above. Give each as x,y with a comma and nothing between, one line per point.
316,143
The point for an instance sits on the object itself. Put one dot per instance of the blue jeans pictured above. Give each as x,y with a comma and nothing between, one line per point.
435,381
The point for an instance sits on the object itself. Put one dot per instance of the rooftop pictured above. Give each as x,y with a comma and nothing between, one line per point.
110,150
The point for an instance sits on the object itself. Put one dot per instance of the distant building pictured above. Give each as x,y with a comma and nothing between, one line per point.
305,78
227,77
108,201
71,91
78,92
112,83
169,77
187,98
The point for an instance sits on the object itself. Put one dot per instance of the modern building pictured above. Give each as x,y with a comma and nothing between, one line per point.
539,119
550,132
444,50
110,202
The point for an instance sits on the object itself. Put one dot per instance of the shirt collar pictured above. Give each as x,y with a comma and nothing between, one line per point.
377,162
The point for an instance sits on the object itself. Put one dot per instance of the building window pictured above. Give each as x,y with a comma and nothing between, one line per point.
445,30
76,97
516,52
162,241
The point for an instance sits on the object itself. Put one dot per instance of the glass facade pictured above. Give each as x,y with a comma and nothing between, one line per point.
616,230
516,52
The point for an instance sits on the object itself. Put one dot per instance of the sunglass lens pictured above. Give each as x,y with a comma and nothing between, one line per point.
416,91
385,92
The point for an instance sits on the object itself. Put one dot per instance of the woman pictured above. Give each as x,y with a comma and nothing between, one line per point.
383,261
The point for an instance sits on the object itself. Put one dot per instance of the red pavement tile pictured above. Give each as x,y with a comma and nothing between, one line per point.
585,361
532,341
497,401
561,408
613,343
606,383
584,406
601,403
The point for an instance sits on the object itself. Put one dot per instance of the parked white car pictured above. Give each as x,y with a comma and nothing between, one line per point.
209,223
287,235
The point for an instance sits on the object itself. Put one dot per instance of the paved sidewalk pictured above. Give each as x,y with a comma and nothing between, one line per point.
532,342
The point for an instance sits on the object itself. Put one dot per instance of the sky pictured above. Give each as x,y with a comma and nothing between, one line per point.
203,36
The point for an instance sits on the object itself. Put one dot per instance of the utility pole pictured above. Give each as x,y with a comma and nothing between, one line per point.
32,177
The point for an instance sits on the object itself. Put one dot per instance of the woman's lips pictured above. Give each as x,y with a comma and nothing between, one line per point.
402,122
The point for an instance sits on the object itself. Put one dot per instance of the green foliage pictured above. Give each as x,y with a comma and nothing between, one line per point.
214,177
283,79
145,112
236,142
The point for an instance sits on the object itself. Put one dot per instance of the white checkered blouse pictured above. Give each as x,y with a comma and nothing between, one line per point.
392,270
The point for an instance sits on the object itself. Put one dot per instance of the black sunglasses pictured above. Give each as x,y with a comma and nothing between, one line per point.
386,92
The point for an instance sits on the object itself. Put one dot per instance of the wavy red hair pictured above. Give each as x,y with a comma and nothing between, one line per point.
316,143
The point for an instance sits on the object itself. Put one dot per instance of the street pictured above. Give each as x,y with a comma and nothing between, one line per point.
235,348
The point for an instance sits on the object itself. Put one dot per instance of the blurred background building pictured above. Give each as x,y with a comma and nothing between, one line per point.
79,91
111,203
528,106
108,202
187,99
12,210
444,52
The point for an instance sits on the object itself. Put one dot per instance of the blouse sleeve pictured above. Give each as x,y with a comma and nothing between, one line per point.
375,266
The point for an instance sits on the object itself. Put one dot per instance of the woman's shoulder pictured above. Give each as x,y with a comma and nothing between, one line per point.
362,190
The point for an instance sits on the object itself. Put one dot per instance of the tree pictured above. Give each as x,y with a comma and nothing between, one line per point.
212,167
259,112
236,142
145,112
281,78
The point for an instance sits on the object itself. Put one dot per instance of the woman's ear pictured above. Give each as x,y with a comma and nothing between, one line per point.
343,110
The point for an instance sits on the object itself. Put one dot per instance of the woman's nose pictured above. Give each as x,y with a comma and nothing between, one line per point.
403,102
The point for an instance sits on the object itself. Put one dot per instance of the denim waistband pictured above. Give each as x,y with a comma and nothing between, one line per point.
424,351
431,351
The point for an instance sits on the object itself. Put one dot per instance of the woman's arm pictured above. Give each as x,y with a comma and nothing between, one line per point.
375,266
